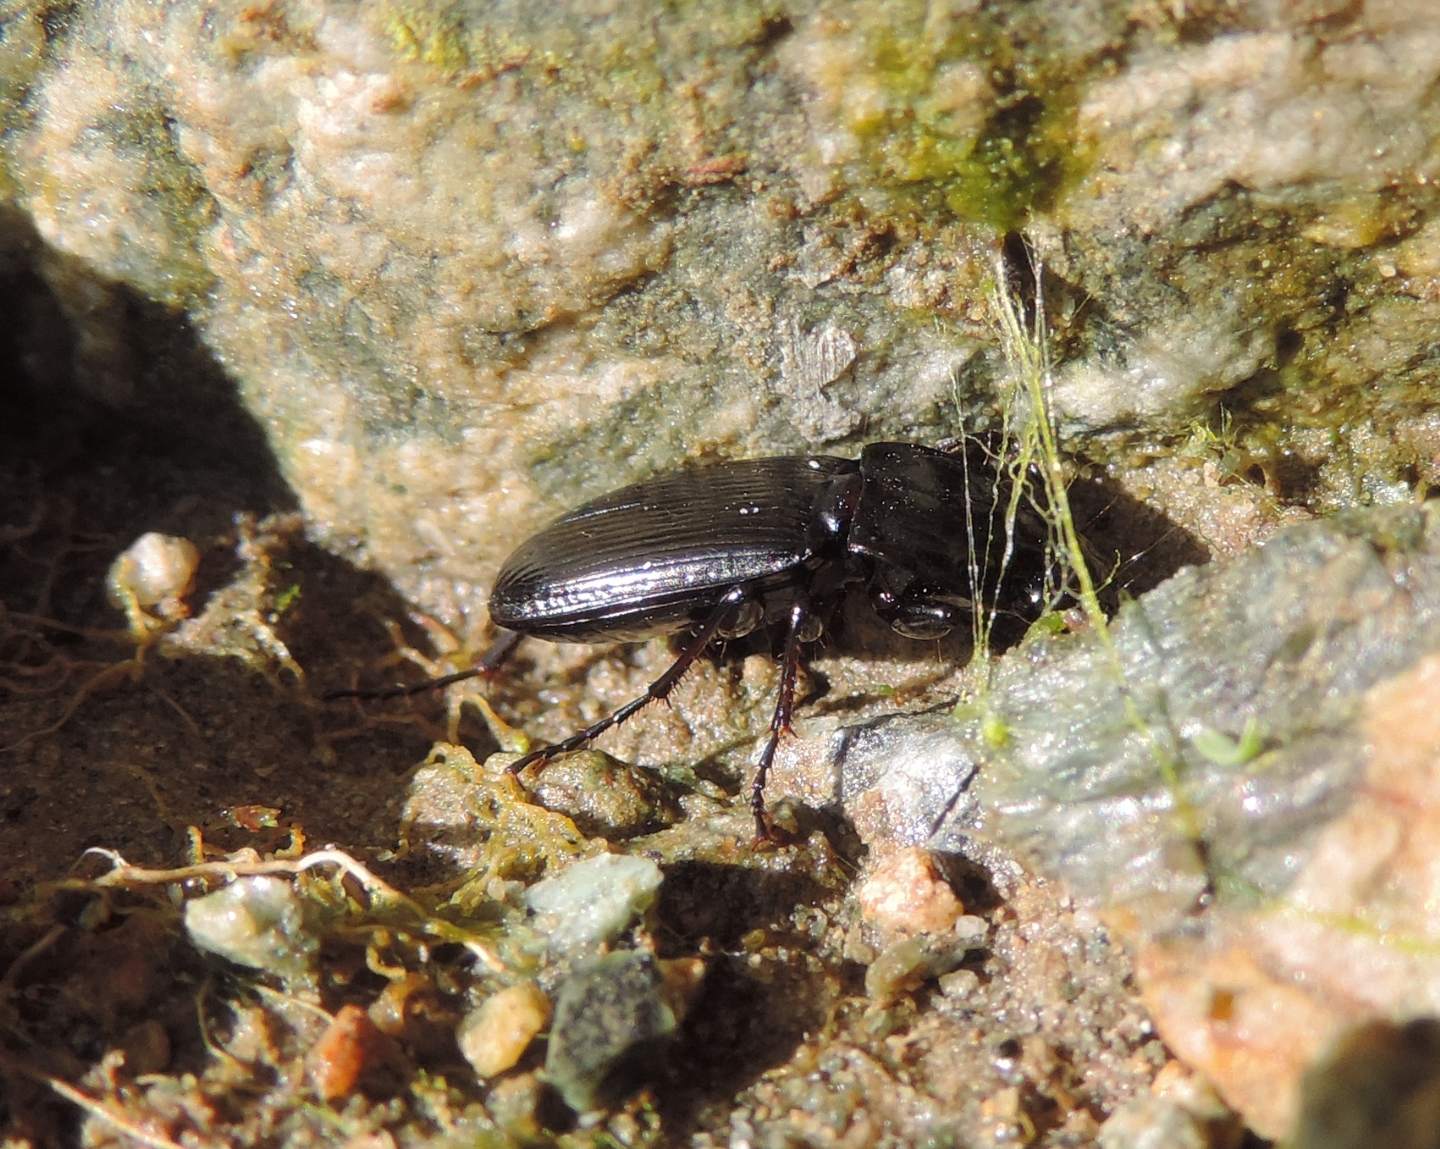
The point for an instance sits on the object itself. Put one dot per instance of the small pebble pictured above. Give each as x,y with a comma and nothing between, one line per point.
613,1018
154,570
496,1035
959,983
257,922
906,894
603,797
593,901
350,1049
970,931
909,963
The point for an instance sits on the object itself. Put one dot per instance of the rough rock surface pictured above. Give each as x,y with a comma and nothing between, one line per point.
468,266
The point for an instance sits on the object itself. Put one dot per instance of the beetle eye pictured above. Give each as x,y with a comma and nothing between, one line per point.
925,620
742,620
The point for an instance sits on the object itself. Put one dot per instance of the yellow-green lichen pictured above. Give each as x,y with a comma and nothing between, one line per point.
440,37
1018,159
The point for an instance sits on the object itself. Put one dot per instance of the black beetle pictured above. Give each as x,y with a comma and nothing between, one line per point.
721,550
718,551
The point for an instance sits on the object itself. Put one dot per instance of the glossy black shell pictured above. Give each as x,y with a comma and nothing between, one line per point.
658,556
921,527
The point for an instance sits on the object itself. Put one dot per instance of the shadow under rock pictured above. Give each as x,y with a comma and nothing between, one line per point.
116,419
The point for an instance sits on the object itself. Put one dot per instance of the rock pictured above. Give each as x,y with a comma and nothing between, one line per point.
496,1035
154,571
604,798
258,922
905,893
479,820
613,1018
469,268
593,901
1280,709
351,1052
910,962
1157,1123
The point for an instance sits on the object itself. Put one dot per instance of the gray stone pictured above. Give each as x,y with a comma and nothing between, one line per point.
258,922
612,1021
593,900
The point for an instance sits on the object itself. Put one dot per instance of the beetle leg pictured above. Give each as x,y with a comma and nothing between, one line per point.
800,619
497,652
657,691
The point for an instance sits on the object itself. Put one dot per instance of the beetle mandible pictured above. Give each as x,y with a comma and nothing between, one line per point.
718,551
721,550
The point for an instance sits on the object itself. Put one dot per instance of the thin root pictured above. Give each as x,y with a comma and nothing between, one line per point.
124,874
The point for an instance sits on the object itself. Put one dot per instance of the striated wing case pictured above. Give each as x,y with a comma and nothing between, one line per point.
656,556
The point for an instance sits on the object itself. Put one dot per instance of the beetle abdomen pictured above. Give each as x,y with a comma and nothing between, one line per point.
649,558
